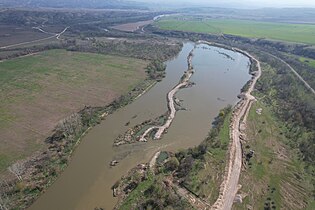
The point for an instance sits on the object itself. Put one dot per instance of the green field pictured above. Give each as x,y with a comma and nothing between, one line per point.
300,33
308,61
38,91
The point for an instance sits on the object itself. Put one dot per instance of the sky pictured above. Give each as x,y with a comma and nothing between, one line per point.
243,3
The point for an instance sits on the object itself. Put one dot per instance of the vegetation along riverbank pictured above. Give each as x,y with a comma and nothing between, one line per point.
30,176
199,185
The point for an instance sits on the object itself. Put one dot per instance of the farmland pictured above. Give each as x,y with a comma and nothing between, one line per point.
301,33
16,34
131,27
38,91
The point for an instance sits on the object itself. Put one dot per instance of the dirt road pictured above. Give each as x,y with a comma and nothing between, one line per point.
62,32
295,72
229,186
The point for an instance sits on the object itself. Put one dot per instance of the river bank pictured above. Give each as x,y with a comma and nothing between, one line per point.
138,134
229,186
87,182
41,169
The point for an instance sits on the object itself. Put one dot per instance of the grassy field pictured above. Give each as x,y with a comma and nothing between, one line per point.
273,177
301,33
38,91
308,61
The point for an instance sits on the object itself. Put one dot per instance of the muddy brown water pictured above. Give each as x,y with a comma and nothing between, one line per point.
86,182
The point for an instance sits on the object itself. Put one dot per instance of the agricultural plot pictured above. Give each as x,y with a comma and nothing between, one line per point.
131,27
11,34
39,90
301,33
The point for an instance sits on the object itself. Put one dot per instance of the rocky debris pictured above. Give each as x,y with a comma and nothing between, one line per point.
177,101
241,96
132,135
249,155
249,207
113,163
242,137
238,199
258,111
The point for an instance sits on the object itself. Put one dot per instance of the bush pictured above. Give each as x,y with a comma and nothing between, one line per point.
156,69
172,164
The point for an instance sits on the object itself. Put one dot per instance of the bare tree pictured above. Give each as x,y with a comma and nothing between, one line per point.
18,169
71,125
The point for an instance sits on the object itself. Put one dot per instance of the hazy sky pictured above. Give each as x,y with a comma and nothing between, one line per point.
242,3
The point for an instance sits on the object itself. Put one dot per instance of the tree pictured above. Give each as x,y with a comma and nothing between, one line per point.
172,164
18,169
156,69
71,125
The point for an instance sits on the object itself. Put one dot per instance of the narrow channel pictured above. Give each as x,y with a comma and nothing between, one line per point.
85,184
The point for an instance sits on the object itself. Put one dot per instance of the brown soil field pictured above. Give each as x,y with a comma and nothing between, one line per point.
10,35
131,27
40,90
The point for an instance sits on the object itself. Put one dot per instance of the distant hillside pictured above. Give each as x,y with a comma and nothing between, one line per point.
95,4
288,15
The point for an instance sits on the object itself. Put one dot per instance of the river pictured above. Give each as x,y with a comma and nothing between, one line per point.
86,182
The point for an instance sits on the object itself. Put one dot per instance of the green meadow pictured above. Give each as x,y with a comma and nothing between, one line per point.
301,33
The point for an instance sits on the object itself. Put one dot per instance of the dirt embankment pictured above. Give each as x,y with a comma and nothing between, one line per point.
230,186
184,82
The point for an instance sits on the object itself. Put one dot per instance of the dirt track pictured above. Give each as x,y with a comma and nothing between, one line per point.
229,186
295,72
